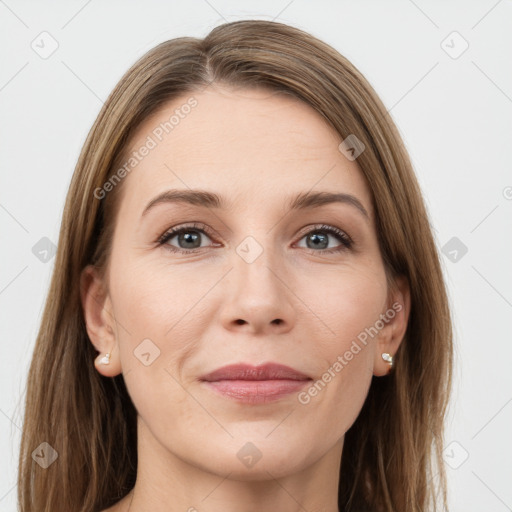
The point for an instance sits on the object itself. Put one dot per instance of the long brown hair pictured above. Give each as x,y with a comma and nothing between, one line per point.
392,455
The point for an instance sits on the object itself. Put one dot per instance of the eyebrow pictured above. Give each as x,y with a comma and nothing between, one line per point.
302,201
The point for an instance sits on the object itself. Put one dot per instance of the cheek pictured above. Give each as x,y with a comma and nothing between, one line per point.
344,301
156,335
348,306
152,298
149,307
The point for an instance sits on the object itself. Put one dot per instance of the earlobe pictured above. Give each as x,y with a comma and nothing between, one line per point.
107,364
393,333
99,321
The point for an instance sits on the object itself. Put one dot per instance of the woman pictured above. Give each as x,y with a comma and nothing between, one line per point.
247,310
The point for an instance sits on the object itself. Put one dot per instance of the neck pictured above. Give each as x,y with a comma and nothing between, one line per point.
167,483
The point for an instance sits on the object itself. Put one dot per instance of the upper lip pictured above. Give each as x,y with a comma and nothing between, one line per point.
242,371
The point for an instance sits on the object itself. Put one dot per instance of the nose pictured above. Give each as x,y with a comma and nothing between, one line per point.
259,298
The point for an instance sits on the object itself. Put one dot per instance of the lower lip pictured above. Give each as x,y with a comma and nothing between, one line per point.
257,391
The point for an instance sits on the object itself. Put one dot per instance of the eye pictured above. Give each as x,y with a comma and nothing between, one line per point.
317,239
187,237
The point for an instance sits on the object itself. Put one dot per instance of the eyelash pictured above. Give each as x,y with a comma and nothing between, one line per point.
346,241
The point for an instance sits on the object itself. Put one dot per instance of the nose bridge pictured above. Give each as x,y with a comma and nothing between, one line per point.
258,294
256,265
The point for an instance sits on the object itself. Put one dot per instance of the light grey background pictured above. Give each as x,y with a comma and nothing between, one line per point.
453,111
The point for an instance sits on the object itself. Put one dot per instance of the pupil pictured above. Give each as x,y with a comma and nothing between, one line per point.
322,239
189,238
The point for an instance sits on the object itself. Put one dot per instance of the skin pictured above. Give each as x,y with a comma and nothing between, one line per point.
210,308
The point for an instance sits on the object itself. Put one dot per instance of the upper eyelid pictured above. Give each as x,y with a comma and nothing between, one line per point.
199,226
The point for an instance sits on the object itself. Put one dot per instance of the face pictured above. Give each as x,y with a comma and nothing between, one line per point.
195,285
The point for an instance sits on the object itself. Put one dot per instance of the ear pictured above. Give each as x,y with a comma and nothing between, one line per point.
395,319
99,320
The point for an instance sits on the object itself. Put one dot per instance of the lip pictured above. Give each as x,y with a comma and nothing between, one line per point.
255,384
242,371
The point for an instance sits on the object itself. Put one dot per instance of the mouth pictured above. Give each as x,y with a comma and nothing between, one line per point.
255,384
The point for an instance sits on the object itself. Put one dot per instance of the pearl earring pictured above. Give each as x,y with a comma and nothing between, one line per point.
105,359
389,359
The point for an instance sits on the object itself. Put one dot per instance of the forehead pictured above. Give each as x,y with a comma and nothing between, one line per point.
247,144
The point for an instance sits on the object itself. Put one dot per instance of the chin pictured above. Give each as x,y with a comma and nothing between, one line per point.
244,461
